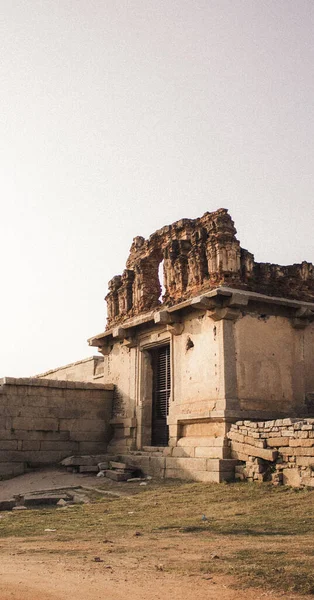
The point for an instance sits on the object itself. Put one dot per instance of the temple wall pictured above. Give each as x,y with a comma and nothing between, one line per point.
197,370
274,364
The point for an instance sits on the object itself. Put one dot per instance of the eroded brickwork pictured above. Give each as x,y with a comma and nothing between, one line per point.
198,255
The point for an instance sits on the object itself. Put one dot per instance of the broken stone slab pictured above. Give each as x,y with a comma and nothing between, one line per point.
118,475
88,469
42,498
118,465
83,460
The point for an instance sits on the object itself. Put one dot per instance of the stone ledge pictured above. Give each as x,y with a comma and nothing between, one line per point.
54,383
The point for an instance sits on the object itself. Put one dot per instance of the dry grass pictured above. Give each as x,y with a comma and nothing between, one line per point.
260,534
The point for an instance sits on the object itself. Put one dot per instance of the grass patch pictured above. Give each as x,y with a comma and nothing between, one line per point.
263,534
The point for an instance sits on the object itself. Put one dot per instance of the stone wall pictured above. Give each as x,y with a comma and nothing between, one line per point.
281,451
87,369
42,421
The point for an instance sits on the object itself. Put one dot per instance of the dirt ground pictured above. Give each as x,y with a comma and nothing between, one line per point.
136,567
48,571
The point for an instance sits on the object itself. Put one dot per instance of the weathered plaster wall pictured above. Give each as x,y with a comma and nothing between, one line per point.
43,421
198,378
274,363
197,370
87,369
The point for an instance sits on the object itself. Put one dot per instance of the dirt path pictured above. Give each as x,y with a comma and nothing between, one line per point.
25,578
44,570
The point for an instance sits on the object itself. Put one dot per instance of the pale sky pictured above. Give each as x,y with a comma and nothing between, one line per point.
121,116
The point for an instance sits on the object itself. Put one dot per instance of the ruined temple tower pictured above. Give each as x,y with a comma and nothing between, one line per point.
229,339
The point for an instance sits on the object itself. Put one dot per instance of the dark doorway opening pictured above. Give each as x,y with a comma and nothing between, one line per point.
161,394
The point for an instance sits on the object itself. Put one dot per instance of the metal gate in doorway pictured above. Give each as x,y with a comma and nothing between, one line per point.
161,394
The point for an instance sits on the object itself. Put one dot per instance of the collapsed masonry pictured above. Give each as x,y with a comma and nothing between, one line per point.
281,451
198,255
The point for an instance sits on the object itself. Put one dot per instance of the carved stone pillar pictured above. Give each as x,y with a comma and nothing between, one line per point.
112,299
125,292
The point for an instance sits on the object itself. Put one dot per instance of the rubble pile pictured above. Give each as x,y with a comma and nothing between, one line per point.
101,466
281,451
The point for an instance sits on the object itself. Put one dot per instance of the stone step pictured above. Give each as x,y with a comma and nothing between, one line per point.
154,449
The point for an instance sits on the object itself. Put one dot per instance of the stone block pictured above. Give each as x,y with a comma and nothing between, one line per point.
61,436
157,466
302,443
203,441
75,461
221,465
305,461
42,457
167,451
82,425
207,452
239,456
188,464
88,469
8,445
214,476
182,452
117,476
286,450
92,447
7,468
67,447
87,436
11,456
117,465
178,474
30,445
35,424
307,481
275,442
249,450
257,442
303,451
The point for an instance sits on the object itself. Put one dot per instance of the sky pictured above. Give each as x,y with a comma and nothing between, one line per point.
120,116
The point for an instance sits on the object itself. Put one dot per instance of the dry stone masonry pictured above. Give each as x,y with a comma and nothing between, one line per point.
281,450
42,421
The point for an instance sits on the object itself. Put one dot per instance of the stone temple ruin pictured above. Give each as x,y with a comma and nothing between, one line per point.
227,340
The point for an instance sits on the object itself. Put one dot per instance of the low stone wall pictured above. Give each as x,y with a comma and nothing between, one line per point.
87,369
281,451
42,421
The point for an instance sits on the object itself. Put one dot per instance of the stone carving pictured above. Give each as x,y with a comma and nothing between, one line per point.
198,255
